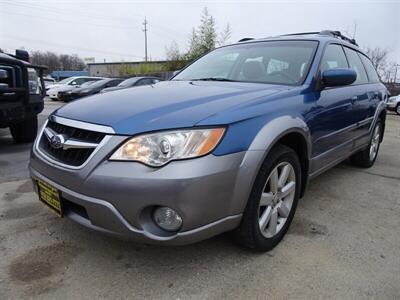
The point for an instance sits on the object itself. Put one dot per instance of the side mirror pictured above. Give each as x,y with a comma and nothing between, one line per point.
73,83
3,74
338,77
22,55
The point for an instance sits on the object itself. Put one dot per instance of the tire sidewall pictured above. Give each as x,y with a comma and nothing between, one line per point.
268,165
371,162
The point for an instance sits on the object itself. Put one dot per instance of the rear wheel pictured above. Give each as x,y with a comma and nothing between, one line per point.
366,158
398,109
25,131
273,200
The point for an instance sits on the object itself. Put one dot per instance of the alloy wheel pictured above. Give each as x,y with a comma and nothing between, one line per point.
373,149
276,200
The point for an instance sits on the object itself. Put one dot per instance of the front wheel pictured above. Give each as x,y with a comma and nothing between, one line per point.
398,109
366,158
272,202
25,131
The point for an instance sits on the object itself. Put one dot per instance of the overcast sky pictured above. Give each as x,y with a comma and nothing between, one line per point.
112,30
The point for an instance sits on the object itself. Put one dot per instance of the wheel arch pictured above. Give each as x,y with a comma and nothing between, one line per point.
287,130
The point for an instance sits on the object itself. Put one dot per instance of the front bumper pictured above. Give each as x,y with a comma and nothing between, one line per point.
209,193
391,105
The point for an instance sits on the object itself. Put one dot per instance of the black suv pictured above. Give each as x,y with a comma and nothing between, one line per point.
21,95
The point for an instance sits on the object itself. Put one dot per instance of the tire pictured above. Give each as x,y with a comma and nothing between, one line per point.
365,158
250,233
398,109
25,131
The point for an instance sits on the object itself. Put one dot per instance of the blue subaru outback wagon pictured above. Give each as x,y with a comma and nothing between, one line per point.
229,144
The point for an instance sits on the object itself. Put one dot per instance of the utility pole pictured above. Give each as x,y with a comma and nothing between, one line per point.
145,38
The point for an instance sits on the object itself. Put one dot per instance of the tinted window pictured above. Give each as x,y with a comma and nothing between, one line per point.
372,75
333,58
128,82
356,65
113,83
145,82
80,80
282,62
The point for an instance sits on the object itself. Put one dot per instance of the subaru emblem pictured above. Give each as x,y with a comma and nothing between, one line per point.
57,141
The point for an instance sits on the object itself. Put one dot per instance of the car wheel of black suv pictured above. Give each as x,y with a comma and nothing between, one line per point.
272,202
366,158
25,131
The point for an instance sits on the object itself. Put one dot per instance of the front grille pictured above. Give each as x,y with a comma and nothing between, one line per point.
74,156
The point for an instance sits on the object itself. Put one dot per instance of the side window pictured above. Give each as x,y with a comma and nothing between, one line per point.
156,80
145,82
113,83
372,75
333,58
356,65
78,81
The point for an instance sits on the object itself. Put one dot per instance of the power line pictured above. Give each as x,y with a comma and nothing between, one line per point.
68,46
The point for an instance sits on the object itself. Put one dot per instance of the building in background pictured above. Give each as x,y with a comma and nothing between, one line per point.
60,75
126,69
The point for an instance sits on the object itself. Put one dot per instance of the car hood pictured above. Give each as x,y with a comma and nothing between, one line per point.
166,105
61,87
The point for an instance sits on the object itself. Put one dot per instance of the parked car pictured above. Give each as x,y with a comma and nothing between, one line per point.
229,144
21,99
92,89
48,81
393,104
131,82
67,85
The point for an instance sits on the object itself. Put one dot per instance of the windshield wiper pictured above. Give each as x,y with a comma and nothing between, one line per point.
213,79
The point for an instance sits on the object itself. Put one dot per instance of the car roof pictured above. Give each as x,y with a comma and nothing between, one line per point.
322,36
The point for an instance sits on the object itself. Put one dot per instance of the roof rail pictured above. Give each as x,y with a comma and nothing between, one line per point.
245,39
336,34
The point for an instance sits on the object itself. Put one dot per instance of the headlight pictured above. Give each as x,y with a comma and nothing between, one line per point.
34,82
157,149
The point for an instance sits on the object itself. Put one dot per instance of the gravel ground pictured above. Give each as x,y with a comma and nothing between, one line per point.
344,243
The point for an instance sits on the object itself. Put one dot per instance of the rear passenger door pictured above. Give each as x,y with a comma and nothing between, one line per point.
362,103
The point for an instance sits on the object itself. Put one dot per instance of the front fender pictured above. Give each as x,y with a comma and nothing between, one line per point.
257,151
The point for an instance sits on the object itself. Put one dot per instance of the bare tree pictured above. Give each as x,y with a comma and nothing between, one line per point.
175,59
225,35
57,62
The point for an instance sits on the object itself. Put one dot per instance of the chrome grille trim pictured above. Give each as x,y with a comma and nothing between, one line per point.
82,125
56,163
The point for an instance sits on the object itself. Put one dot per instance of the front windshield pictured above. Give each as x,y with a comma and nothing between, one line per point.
87,83
128,82
66,80
99,82
280,62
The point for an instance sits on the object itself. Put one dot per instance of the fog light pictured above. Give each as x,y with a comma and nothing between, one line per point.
167,218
